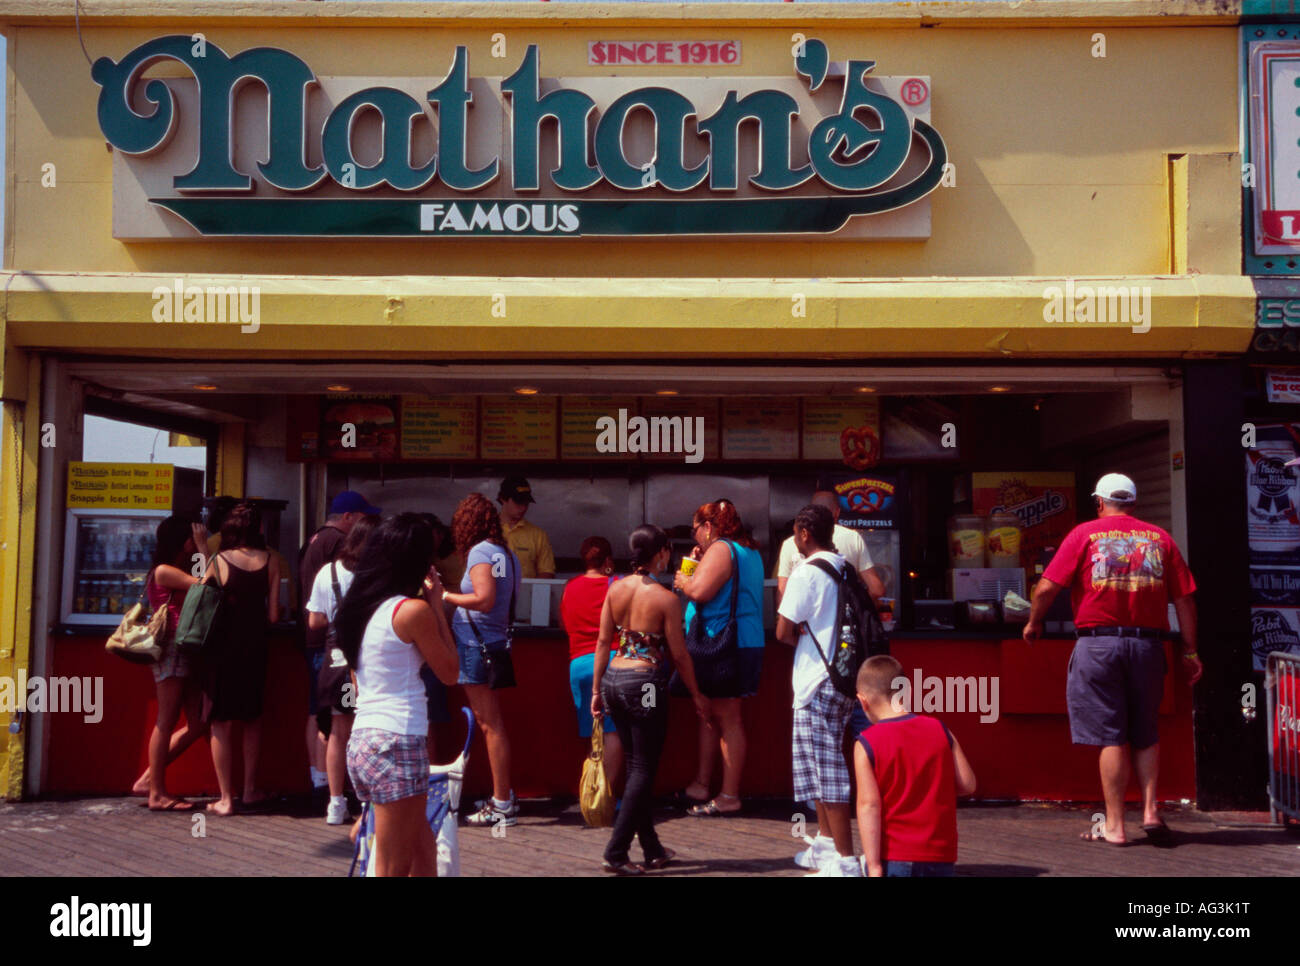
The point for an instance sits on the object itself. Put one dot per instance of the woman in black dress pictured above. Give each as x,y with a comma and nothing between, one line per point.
236,675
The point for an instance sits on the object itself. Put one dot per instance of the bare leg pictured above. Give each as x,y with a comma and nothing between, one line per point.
733,748
181,738
1114,765
1146,762
835,818
252,753
708,756
399,849
223,760
169,710
487,709
336,759
316,752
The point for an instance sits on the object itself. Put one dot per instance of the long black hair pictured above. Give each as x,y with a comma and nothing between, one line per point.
393,562
171,536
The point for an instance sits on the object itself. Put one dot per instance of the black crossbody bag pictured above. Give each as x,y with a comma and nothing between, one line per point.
500,665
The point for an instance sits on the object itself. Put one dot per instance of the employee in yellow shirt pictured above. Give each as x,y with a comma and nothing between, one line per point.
529,542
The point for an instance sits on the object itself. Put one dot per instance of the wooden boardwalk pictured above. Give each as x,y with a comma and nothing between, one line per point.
118,837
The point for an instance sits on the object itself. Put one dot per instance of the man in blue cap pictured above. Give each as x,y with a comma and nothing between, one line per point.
322,548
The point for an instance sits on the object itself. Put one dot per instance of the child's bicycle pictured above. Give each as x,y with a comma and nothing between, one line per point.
441,810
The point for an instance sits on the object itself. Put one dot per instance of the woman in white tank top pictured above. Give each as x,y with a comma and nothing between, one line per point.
389,624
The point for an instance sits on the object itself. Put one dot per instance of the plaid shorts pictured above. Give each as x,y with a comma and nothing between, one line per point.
821,773
386,767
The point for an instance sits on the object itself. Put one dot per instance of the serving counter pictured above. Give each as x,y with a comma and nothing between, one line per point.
1019,745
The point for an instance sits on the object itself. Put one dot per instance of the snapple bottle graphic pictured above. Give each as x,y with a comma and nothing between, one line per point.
1272,492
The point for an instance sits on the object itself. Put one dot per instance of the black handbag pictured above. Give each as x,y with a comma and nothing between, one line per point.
715,657
500,665
335,675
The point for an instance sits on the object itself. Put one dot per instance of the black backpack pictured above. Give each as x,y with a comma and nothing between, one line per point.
860,634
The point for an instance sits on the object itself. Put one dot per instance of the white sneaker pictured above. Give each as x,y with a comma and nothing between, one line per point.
819,850
337,813
489,814
840,867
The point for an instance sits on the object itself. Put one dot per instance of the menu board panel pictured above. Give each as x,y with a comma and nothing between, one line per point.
692,421
843,430
596,427
439,427
358,427
760,428
120,486
518,428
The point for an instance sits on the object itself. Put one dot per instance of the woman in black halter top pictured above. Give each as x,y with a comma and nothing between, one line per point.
643,619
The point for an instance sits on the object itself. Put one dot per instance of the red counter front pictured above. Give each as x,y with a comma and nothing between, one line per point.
1023,753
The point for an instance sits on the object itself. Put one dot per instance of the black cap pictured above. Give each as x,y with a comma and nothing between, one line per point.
515,488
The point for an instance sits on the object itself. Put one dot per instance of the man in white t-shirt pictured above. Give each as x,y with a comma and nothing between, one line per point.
808,620
848,543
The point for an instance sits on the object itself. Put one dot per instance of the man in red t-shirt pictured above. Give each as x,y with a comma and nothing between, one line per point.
1122,574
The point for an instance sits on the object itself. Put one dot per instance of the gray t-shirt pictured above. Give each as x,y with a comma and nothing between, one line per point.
505,570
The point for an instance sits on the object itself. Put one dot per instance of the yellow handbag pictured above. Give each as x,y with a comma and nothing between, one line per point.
595,797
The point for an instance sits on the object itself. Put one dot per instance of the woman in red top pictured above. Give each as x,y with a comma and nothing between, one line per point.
580,607
179,544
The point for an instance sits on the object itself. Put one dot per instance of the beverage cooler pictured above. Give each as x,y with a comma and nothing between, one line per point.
107,550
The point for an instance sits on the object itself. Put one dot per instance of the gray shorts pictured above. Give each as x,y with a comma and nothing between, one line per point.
1114,689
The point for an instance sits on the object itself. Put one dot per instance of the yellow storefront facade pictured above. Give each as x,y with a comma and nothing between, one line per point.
1088,150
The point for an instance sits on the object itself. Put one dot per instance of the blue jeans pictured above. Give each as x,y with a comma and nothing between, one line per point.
637,700
917,870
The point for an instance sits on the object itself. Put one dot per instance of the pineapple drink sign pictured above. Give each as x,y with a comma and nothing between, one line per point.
256,144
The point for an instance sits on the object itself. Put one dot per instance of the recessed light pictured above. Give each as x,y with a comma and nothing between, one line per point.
339,387
526,390
204,386
999,388
865,389
665,392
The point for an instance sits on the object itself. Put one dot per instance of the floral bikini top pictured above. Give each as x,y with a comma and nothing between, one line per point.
640,645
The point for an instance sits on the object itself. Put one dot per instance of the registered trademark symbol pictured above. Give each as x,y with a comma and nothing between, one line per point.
915,91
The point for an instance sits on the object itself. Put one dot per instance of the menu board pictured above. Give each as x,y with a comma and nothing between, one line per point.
843,430
518,428
694,421
439,427
597,427
359,427
760,428
120,486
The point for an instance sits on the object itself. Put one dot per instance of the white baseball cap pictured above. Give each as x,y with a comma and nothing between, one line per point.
1116,488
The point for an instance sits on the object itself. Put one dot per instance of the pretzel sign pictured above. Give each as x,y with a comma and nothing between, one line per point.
860,447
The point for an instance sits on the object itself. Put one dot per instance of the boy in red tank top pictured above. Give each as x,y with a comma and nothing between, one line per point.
910,772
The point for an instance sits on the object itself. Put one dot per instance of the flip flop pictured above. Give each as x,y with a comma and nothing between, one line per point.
1160,834
710,810
175,805
1089,837
681,798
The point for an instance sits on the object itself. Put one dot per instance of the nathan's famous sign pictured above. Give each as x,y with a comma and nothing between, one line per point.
257,144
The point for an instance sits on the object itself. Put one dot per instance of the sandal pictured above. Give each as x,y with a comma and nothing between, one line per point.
662,860
710,810
681,798
1090,837
175,805
1160,834
623,868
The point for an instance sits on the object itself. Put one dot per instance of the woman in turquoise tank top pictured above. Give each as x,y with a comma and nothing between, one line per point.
719,534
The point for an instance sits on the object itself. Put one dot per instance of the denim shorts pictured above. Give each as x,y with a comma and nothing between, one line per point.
581,672
435,695
917,870
473,669
387,767
1113,691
